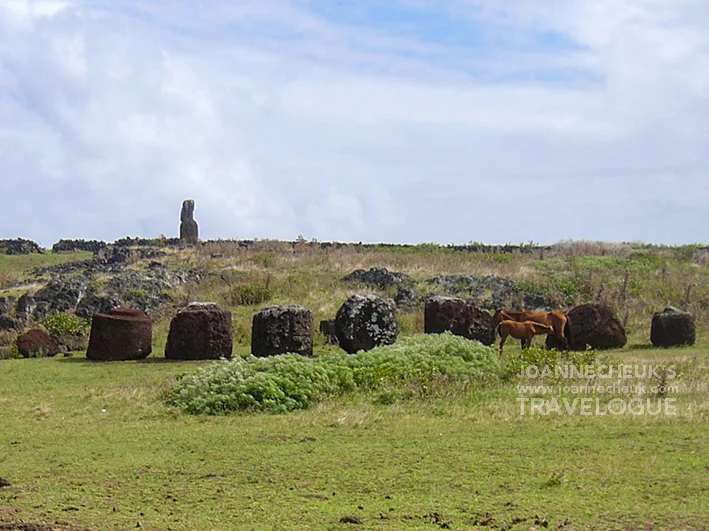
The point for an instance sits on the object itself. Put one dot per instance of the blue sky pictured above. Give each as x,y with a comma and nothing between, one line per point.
403,121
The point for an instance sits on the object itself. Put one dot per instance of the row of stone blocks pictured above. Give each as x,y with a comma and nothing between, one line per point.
204,330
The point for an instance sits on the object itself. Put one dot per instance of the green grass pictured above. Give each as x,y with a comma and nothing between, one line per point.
463,455
14,268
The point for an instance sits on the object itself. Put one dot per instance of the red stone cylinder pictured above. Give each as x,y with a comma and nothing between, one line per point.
120,335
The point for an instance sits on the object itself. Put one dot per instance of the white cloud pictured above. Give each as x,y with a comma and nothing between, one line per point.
280,121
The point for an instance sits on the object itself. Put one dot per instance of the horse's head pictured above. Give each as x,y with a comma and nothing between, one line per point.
501,315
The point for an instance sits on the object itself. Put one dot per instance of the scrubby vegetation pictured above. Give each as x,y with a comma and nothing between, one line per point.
287,382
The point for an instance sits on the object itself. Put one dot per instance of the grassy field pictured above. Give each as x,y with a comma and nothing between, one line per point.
90,445
94,446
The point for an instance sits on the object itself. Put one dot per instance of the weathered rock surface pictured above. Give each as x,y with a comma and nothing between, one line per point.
120,335
37,343
407,298
200,331
10,323
593,325
19,246
460,317
70,246
366,321
189,230
25,306
6,305
379,277
672,327
282,329
93,303
62,295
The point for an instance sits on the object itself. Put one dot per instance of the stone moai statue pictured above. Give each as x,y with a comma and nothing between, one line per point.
189,230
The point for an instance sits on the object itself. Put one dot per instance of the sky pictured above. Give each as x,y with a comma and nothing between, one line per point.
497,121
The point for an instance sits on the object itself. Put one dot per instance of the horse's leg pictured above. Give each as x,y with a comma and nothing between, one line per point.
502,342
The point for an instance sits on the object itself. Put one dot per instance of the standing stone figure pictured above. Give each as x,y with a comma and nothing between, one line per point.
189,231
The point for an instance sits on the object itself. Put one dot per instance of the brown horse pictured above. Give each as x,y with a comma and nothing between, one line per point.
523,331
557,320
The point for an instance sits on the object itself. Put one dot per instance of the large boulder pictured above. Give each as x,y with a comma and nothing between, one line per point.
281,329
462,318
200,331
672,327
366,321
37,343
590,325
121,334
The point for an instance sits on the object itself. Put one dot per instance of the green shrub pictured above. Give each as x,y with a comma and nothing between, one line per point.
289,382
251,294
63,324
517,362
10,353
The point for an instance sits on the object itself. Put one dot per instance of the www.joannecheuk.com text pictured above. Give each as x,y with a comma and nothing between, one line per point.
621,371
597,407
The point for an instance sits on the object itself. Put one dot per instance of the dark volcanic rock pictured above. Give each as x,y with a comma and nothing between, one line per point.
200,331
93,303
121,334
407,298
69,246
672,327
379,277
5,306
537,302
189,230
114,254
593,325
327,328
25,306
19,246
37,343
460,317
9,323
282,329
62,295
366,321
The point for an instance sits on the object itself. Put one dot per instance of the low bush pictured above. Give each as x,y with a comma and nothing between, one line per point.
518,362
289,382
63,324
251,294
